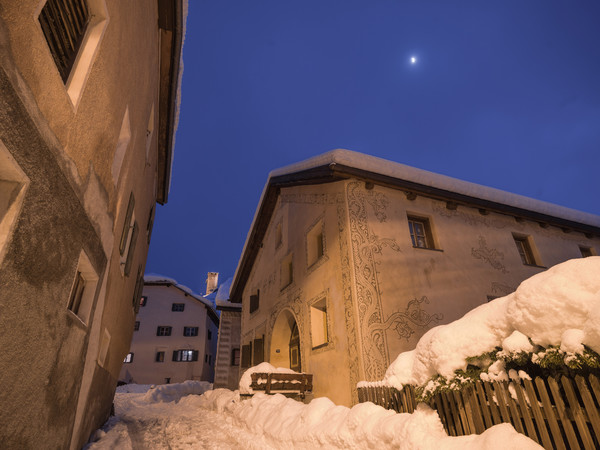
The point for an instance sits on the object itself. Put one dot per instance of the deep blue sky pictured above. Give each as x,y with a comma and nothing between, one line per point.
504,94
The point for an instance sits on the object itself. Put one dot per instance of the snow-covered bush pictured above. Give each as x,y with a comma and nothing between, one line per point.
549,326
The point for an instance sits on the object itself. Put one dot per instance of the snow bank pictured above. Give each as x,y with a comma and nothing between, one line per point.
265,367
560,306
286,423
134,388
173,392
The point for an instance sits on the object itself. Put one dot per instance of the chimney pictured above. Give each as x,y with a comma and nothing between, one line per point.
212,282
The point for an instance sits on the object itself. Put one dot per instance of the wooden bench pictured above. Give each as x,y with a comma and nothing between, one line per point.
288,384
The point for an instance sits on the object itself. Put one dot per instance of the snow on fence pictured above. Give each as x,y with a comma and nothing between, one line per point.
557,414
285,383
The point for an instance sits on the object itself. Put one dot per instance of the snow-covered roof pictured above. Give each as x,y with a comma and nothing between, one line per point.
342,164
156,279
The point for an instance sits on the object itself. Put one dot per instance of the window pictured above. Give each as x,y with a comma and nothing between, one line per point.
420,232
136,327
235,357
178,307
160,357
185,355
525,250
144,300
287,271
315,244
128,237
318,323
13,185
137,292
64,23
83,291
128,358
254,301
586,251
163,331
209,335
190,331
150,224
247,355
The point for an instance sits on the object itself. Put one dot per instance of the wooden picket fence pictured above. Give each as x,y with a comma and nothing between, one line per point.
557,414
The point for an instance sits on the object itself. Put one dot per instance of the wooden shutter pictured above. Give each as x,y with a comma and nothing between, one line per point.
246,355
259,351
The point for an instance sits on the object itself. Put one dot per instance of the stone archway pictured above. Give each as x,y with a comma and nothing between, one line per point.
285,342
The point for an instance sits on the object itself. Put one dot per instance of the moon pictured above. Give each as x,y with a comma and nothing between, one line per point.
413,59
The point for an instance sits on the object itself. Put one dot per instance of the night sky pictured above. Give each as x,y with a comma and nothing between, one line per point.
503,93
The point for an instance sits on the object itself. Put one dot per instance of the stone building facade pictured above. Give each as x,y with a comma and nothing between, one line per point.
175,336
88,111
351,259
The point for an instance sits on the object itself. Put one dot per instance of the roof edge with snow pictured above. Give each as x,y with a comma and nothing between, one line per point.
341,164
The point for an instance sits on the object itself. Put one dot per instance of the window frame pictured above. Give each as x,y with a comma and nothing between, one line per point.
177,307
191,331
426,235
526,250
164,330
185,355
128,358
319,319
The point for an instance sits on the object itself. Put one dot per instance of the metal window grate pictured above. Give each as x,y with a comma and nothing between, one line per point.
64,23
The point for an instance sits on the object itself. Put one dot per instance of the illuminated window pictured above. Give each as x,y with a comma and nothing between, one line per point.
190,331
318,322
144,300
64,23
185,355
160,357
128,358
420,232
525,249
163,331
178,307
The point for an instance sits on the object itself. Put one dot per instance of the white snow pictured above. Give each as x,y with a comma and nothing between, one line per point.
223,291
154,278
219,419
264,367
173,392
557,307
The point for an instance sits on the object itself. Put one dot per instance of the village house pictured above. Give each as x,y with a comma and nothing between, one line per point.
175,335
350,259
89,93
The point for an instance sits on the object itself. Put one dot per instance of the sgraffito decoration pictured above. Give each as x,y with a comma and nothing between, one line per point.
404,322
490,255
501,289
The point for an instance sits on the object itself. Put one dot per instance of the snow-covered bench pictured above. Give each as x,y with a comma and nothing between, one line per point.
288,384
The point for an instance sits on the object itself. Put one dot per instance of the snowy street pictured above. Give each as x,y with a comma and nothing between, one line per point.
176,417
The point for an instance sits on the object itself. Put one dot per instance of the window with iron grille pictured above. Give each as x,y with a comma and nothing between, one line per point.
163,331
178,307
64,23
190,331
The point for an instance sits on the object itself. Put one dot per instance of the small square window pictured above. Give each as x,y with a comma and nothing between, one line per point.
318,323
129,358
144,300
420,232
163,331
525,250
136,327
160,357
190,331
178,307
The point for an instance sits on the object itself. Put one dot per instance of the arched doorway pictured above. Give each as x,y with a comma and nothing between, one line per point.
285,342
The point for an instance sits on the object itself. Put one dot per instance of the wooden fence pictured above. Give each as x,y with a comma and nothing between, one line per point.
557,414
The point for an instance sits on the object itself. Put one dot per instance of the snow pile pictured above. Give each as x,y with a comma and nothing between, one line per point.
559,307
134,388
263,367
173,392
286,423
